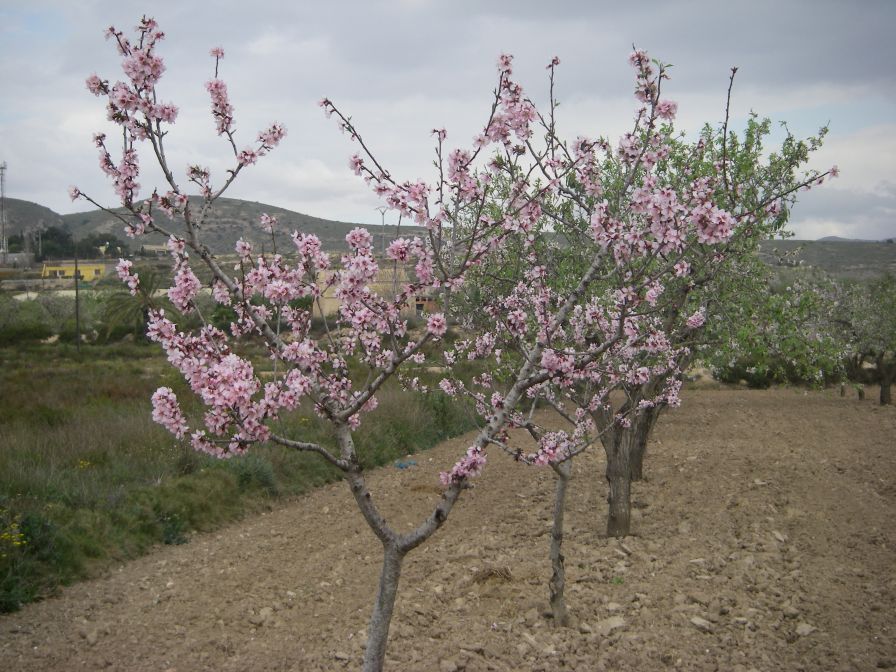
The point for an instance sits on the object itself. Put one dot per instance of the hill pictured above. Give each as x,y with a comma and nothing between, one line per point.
27,216
234,218
842,258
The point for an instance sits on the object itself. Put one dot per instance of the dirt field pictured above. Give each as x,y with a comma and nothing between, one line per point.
764,540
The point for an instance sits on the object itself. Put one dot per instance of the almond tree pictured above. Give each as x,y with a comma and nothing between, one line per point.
864,317
621,217
787,334
684,220
457,211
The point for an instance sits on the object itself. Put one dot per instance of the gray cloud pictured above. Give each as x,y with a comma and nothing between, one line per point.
403,67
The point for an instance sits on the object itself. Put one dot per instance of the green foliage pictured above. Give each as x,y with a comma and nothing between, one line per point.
126,313
784,338
866,316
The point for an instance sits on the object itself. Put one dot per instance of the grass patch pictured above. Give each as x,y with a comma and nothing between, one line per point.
86,477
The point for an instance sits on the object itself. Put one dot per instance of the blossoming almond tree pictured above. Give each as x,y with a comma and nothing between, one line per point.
680,221
618,223
369,330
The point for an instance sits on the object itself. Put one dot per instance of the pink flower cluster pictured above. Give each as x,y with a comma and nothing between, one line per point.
469,466
222,110
185,288
166,411
127,276
697,320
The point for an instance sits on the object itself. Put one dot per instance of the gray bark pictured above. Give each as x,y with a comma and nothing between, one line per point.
619,479
642,428
378,628
886,373
557,584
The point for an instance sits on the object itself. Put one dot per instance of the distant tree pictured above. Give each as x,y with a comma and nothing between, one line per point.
16,242
101,245
56,243
866,313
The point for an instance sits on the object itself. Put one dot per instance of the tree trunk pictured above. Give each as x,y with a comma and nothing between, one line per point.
378,629
619,477
642,428
861,392
557,584
886,374
842,389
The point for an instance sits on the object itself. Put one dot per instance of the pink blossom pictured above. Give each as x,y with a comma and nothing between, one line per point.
267,222
697,320
638,58
216,52
666,109
469,466
143,67
437,325
358,239
166,411
166,113
74,193
222,110
124,273
552,447
399,249
505,64
247,157
97,86
186,287
356,163
243,249
272,136
176,246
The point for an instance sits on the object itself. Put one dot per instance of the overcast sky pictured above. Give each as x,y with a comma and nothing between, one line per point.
403,67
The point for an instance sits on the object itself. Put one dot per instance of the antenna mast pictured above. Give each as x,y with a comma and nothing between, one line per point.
4,247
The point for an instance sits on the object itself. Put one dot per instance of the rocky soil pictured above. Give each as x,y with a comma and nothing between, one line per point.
763,540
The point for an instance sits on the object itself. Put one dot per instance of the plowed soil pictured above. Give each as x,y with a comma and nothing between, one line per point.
763,540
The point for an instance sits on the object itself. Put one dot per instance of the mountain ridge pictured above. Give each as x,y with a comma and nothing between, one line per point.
235,218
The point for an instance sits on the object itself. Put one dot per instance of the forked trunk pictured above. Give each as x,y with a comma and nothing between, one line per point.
619,479
378,629
557,584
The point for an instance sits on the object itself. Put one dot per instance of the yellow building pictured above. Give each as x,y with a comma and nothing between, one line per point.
388,283
87,270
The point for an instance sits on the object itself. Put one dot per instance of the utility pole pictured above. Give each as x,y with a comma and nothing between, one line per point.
77,306
4,246
382,210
